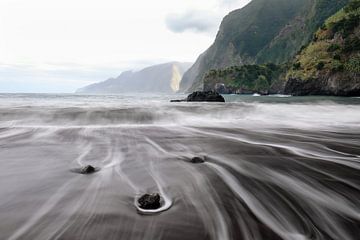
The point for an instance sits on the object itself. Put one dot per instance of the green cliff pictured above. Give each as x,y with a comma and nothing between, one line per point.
246,79
263,31
330,64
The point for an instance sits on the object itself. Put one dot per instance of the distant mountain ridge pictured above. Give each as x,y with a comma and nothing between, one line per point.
162,78
264,31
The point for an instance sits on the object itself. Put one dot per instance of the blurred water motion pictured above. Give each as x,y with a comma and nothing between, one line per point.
276,167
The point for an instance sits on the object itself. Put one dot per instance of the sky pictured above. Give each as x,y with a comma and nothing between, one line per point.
61,45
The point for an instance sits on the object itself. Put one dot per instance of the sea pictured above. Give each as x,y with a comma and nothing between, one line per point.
274,167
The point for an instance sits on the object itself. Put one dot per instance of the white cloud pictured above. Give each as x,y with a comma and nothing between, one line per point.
100,34
202,20
197,21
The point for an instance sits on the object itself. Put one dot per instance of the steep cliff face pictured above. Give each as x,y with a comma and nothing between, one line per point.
337,84
164,78
261,32
330,64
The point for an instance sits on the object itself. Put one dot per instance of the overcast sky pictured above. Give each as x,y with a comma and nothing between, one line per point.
61,45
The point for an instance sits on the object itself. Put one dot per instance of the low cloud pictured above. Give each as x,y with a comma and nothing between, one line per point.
196,21
200,20
50,78
63,77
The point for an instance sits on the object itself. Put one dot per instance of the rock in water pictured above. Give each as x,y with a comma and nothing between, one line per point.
197,160
150,201
87,169
209,96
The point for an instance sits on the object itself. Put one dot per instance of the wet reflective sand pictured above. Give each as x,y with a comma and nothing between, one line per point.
271,170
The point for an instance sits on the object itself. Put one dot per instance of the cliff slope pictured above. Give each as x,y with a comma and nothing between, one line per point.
261,32
330,64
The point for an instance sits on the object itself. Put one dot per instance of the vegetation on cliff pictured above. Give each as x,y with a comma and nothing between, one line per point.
328,65
264,31
245,79
335,47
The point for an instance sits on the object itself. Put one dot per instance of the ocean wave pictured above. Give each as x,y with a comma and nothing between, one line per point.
259,115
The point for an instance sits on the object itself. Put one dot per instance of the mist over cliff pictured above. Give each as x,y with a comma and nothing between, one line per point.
163,78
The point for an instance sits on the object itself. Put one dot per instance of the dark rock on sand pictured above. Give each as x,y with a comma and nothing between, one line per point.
208,96
87,169
197,160
150,201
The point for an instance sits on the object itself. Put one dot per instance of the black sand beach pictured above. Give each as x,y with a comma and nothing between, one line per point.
275,168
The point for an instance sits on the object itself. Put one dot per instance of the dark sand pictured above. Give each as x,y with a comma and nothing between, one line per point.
267,179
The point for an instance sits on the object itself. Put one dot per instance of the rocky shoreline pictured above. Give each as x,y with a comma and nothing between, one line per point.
341,84
336,85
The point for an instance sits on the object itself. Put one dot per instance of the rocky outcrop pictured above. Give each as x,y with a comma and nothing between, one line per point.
87,169
197,160
209,96
346,85
150,201
199,96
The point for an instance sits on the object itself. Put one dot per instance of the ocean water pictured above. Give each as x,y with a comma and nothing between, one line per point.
276,167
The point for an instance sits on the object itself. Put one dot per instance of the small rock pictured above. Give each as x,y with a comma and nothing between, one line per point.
197,160
150,201
87,169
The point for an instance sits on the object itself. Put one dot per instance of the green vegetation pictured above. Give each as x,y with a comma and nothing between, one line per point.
262,84
248,78
346,25
335,47
262,32
353,65
320,66
351,44
352,6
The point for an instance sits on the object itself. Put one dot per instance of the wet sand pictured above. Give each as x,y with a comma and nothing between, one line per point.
260,180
